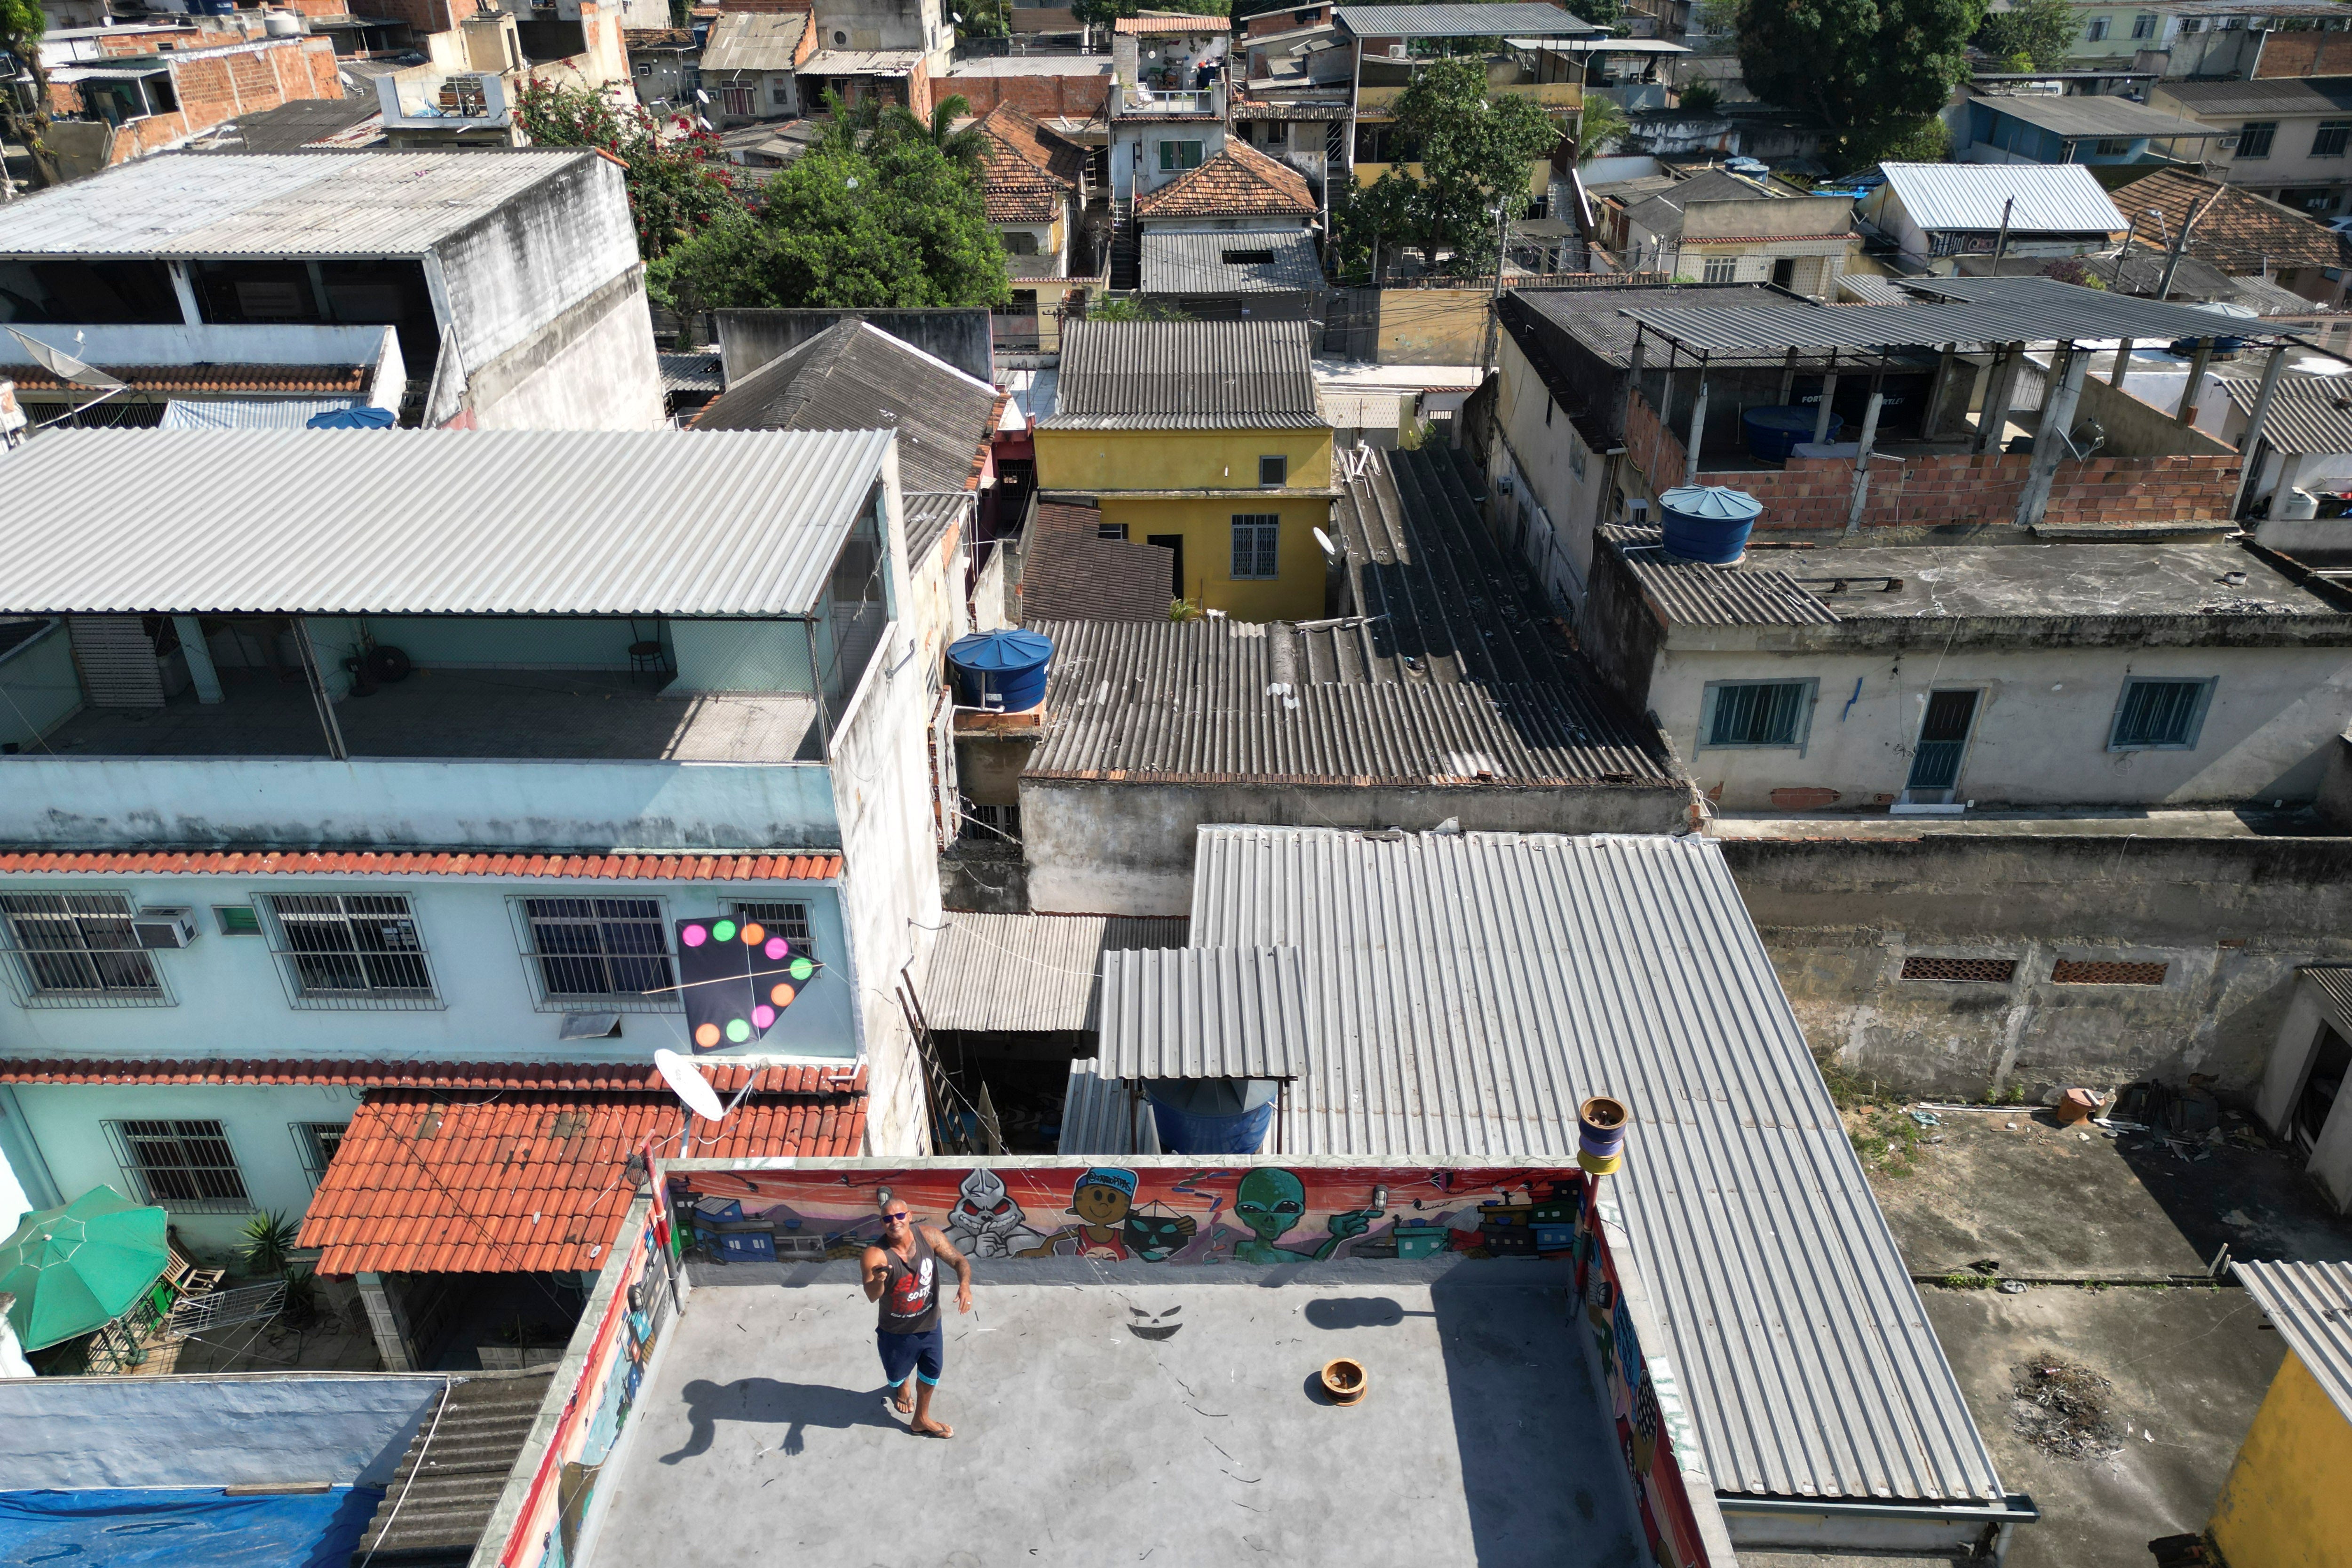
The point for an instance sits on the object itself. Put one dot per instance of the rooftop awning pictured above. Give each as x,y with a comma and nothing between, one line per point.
1976,310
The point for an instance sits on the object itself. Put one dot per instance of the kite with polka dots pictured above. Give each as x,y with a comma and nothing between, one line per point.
736,977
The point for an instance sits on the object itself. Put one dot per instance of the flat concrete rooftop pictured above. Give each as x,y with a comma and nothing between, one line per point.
484,713
1174,1423
2044,580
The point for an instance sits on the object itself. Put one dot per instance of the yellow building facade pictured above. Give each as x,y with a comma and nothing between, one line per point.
2288,1500
1197,493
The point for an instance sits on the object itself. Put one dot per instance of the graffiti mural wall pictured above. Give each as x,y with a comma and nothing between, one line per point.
1175,1216
1654,1435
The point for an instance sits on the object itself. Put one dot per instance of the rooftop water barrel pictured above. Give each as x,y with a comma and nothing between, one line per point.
1003,671
1211,1115
1776,431
281,24
1707,523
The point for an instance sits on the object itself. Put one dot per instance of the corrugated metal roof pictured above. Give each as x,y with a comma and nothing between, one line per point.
1468,991
690,372
2310,1304
1247,261
1214,701
2084,115
2307,413
1186,374
1203,1011
430,522
1983,311
287,203
248,413
2286,95
2051,198
1689,594
1459,21
929,514
1100,1116
753,41
440,1501
2334,982
1024,973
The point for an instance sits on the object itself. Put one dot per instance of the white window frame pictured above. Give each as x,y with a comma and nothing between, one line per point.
2203,705
1809,693
657,997
1719,269
310,1146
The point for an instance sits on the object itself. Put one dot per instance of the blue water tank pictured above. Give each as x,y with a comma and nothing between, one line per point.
1003,671
1775,432
1212,1116
1707,523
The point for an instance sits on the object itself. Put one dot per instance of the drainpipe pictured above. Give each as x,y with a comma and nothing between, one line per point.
1862,461
1697,430
2123,362
2187,413
2049,439
2249,457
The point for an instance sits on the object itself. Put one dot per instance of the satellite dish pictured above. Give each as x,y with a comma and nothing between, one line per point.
686,1082
1323,540
700,96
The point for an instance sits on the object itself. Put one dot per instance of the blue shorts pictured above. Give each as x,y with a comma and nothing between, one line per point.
918,1353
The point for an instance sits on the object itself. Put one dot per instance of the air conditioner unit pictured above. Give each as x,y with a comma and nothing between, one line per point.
1396,51
163,928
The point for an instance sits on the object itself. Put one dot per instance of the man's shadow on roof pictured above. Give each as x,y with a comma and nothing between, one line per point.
796,1407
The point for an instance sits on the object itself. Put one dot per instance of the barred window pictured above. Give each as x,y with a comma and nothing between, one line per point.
598,947
1996,971
187,1167
790,921
1755,713
2163,715
316,1144
351,949
2332,137
78,947
1256,539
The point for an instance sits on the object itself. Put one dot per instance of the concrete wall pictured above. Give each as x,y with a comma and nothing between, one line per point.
1127,848
750,338
39,687
2288,1500
2232,918
561,256
889,845
133,803
216,84
71,1434
1553,506
2042,725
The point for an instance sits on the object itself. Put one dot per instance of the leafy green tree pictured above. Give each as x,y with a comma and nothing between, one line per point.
1602,125
1130,309
1101,13
1474,149
2038,32
1860,65
677,182
22,25
1600,13
1702,97
894,224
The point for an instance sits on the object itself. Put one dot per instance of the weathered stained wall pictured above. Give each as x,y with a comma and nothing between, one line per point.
1127,848
2231,919
591,368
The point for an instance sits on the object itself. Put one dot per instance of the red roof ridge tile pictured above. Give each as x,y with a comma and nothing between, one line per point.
802,866
797,1079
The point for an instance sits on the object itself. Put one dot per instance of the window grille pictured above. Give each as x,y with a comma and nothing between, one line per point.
2254,138
187,1167
1996,971
1256,536
2158,714
997,823
1111,531
2084,972
790,921
76,950
316,1142
613,951
351,950
1757,713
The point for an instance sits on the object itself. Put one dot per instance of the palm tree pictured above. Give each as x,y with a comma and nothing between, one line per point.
848,127
965,148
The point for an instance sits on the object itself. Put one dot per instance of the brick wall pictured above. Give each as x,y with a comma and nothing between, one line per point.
1814,493
2305,54
220,84
1079,96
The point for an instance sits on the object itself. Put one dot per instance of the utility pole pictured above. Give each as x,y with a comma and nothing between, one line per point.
2001,244
2179,244
1486,343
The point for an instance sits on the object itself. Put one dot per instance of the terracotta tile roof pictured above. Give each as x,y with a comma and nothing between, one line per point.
2240,233
1171,27
1069,572
1240,181
652,867
578,1078
346,378
526,1183
1030,170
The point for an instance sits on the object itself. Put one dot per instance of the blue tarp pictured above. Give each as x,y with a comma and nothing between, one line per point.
183,1527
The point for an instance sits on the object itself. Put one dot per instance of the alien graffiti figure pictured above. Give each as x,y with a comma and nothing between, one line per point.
1274,1202
986,1222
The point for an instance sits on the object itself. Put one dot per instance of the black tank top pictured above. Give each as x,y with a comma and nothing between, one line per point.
910,1302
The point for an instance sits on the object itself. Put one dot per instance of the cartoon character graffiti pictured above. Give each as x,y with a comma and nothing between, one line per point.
986,1222
1272,1203
1102,1199
1154,1235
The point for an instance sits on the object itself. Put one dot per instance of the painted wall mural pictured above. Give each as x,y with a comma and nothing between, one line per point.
1206,1215
1646,1403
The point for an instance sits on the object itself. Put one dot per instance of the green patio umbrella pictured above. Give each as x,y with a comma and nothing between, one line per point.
73,1268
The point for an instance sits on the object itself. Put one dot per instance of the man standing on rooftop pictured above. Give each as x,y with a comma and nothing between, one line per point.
901,1273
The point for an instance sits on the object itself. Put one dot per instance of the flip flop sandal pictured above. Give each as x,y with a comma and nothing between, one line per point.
943,1431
